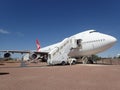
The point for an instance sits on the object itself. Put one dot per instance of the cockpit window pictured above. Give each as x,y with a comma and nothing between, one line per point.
92,31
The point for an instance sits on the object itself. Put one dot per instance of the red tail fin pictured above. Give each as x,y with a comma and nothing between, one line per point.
38,45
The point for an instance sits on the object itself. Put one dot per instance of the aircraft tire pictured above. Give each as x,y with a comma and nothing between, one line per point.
63,63
89,62
74,62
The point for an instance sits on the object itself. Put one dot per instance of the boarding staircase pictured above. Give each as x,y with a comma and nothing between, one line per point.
59,55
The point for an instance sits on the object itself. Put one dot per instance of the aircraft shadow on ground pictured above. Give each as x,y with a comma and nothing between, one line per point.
4,73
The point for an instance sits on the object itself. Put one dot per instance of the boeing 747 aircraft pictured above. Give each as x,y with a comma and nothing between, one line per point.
82,44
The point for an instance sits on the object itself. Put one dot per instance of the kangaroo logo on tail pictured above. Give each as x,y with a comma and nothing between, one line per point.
38,45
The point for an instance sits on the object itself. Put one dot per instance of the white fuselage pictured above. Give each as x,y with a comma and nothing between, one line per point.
92,42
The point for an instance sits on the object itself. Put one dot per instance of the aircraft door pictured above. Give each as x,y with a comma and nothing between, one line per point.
78,42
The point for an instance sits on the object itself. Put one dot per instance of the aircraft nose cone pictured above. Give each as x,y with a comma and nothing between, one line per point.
113,39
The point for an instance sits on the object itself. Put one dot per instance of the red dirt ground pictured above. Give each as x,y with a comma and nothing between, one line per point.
75,77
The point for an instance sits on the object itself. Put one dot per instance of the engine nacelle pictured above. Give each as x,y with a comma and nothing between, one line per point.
33,56
7,55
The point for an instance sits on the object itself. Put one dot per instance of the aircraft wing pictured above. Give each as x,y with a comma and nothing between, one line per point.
15,51
32,53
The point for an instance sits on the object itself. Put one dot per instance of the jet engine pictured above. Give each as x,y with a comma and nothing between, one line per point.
33,56
7,55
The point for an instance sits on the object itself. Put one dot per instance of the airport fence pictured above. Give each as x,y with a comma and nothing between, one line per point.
109,61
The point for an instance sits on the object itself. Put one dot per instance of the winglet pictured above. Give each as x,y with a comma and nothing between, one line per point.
38,45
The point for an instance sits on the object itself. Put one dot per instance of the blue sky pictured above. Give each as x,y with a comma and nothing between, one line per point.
22,21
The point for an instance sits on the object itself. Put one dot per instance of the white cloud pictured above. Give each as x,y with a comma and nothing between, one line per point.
4,31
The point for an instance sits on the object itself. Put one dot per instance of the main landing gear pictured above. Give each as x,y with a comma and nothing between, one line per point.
87,60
